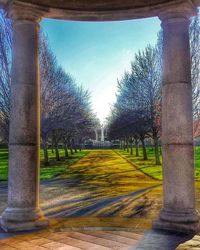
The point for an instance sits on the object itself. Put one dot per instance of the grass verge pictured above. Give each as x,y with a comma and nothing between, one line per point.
55,168
148,166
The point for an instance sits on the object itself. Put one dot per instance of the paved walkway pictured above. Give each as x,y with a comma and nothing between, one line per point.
163,240
90,240
193,244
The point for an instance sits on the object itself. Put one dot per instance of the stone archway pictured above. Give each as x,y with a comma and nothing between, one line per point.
23,211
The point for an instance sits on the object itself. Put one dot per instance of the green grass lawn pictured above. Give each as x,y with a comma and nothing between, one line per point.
55,168
3,164
149,167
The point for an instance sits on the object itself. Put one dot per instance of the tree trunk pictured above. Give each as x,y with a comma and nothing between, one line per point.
156,148
52,150
136,148
80,147
74,146
160,147
46,157
127,146
144,149
124,145
66,150
57,153
71,149
131,147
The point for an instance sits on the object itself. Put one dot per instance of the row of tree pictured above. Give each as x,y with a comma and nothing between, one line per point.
136,114
66,112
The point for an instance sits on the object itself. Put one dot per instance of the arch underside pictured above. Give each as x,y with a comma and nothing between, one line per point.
100,10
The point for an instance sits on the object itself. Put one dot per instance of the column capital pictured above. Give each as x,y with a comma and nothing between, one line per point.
179,12
24,12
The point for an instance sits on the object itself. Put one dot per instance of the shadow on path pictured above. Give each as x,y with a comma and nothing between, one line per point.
88,210
157,240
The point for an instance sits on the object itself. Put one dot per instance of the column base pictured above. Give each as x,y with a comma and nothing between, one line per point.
15,220
184,222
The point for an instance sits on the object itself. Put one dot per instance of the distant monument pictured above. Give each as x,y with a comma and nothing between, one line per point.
101,138
100,133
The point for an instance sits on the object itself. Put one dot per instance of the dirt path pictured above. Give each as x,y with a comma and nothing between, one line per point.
100,184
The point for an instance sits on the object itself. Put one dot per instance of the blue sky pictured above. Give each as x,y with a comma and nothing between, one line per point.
97,53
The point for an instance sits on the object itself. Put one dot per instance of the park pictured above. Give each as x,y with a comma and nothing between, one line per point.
99,124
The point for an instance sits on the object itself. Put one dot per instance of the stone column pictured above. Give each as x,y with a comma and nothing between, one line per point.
102,134
178,213
23,211
96,134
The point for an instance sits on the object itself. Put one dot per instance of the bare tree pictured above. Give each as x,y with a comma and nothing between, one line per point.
138,99
66,113
65,107
5,75
195,63
146,70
